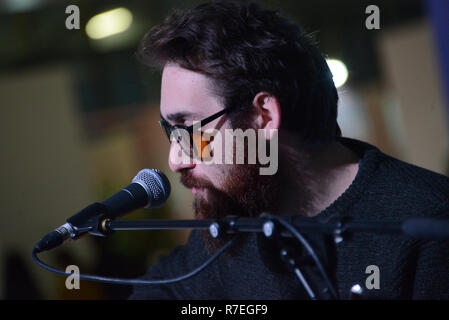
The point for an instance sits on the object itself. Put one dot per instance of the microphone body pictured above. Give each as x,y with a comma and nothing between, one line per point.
149,189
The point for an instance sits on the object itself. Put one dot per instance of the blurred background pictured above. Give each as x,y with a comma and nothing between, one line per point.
78,118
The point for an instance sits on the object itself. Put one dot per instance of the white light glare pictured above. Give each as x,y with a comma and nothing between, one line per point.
108,23
339,71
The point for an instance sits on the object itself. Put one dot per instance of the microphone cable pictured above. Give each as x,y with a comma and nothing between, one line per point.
309,249
135,281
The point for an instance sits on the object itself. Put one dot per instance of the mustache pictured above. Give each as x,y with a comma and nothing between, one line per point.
189,181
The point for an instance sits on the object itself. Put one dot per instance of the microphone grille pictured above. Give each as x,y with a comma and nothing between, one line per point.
156,184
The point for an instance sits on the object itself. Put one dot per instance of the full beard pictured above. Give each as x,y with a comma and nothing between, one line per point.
244,193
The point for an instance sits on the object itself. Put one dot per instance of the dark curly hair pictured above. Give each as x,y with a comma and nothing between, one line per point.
244,50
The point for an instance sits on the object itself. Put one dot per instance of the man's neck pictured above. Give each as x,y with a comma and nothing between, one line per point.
315,180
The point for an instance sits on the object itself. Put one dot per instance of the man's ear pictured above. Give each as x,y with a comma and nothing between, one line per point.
267,113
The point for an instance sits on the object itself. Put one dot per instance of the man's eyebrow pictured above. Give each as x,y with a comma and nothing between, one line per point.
177,116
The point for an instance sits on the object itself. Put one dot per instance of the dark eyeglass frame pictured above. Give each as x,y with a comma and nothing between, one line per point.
168,129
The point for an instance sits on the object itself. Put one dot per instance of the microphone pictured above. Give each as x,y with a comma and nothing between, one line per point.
150,188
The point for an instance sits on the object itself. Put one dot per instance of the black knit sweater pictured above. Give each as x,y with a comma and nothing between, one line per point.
384,189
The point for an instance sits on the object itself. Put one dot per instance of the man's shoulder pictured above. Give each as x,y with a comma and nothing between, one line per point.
413,187
418,179
395,187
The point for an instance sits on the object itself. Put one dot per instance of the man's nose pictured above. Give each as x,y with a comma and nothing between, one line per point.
178,159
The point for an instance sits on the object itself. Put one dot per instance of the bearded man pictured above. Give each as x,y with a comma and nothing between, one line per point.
237,66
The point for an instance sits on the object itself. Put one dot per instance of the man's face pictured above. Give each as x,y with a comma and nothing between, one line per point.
185,99
220,189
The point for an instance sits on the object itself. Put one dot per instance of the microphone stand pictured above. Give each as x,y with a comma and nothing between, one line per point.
421,228
337,229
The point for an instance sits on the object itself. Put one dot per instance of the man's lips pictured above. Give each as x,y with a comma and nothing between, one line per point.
196,190
196,185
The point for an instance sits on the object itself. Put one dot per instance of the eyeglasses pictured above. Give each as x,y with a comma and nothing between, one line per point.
191,141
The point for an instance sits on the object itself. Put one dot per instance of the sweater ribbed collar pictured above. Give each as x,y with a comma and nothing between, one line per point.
370,157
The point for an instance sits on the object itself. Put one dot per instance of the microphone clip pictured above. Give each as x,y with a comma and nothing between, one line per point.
91,219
